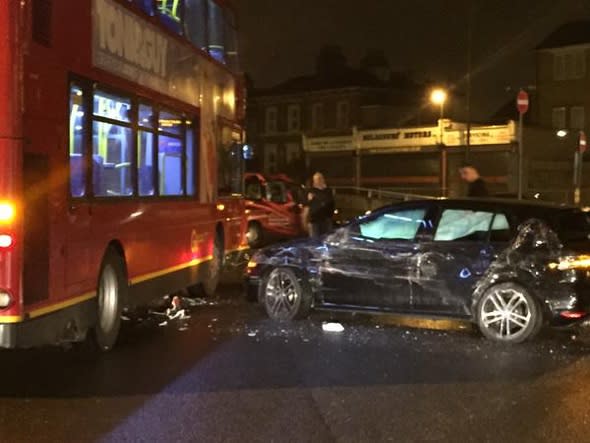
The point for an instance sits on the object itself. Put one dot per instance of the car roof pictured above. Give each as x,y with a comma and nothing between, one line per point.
495,203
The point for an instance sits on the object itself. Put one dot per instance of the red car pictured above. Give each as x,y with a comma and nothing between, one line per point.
273,207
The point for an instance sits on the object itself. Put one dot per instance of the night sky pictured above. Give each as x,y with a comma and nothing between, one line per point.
280,38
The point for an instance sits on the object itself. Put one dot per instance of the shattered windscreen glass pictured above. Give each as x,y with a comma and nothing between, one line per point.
400,225
459,224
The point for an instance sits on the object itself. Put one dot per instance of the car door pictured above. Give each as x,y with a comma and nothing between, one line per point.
448,266
370,267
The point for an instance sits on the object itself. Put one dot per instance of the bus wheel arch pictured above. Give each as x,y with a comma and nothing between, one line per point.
211,271
112,291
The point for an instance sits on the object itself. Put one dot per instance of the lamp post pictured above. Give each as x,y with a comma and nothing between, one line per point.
438,97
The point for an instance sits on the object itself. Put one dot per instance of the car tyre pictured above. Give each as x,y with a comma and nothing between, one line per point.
285,296
508,313
112,290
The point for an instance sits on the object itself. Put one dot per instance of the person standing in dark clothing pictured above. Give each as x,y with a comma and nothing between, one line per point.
477,187
319,207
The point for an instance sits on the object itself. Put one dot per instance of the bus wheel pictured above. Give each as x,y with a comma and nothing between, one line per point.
111,292
214,268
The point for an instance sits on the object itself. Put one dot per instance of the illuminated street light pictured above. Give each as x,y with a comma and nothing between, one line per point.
439,97
561,133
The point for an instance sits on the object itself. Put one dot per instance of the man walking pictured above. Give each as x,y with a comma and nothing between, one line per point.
477,187
319,207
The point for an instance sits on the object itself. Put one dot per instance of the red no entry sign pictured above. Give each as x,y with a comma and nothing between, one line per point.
522,101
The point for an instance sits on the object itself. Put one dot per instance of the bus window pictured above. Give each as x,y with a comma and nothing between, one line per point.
146,116
146,6
170,165
195,22
77,150
216,29
111,149
171,13
231,42
190,159
112,146
171,123
112,106
145,160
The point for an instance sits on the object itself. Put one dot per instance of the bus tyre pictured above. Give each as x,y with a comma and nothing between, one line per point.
111,293
255,235
213,269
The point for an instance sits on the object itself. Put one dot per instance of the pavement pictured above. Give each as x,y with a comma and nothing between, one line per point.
228,374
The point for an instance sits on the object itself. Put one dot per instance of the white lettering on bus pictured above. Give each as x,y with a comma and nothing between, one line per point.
126,36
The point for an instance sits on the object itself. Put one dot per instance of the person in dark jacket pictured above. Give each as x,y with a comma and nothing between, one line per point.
477,187
319,207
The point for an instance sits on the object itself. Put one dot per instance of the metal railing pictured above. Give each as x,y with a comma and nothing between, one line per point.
381,193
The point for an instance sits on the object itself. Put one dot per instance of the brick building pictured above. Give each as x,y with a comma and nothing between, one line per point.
330,102
560,108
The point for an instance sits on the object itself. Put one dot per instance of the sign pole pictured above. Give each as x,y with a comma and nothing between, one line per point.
520,156
522,104
578,164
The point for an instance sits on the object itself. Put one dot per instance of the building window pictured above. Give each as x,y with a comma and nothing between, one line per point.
270,158
294,118
271,123
569,65
558,118
293,152
577,117
343,115
317,117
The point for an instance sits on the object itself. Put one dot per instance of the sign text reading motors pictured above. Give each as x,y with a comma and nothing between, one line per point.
123,35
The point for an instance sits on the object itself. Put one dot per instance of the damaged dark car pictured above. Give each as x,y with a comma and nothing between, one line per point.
509,267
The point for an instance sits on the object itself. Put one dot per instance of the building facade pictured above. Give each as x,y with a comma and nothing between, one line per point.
323,105
560,109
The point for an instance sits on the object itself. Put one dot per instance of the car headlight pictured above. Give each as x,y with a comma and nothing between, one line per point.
574,262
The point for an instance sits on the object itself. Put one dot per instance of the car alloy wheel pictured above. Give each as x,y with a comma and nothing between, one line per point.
508,313
282,295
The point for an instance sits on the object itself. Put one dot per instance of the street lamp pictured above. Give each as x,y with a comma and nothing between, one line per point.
438,97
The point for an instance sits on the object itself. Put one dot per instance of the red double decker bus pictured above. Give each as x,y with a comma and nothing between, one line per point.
117,116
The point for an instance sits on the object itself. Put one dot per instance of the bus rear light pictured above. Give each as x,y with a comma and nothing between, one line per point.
7,212
5,299
6,241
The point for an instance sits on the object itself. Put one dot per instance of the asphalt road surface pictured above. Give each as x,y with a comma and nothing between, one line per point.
230,374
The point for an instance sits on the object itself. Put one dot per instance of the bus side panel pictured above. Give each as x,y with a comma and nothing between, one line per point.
157,238
11,151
